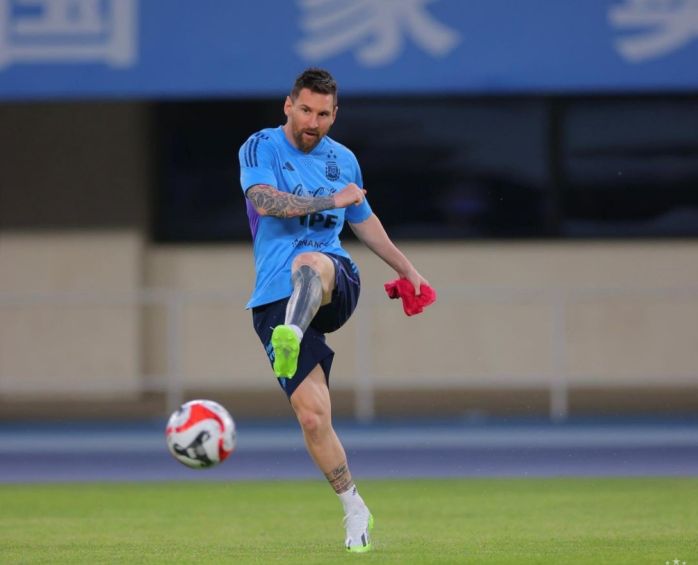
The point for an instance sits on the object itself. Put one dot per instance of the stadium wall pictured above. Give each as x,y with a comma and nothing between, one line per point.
77,326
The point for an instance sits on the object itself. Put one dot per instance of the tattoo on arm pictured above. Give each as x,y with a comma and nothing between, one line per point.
340,478
269,201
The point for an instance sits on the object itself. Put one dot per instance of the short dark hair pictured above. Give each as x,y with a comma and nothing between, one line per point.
316,80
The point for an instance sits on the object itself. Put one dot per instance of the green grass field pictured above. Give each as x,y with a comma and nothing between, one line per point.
543,521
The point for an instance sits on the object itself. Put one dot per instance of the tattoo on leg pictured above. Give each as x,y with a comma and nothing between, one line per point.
340,478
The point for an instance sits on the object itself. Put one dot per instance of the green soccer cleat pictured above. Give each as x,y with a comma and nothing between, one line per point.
286,347
358,527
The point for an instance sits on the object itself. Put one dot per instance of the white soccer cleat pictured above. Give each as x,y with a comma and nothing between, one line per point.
358,526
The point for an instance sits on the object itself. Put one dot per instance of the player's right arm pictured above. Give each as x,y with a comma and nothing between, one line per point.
269,201
258,181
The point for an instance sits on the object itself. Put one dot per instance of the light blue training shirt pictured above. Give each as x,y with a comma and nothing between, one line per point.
267,157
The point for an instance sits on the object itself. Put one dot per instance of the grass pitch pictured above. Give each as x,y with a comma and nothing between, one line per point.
516,521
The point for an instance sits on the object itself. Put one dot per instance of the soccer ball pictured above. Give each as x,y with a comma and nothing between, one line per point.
200,434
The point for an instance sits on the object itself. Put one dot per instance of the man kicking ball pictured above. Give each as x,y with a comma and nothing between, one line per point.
300,188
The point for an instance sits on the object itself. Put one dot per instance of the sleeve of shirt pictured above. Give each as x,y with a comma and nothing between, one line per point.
362,212
256,158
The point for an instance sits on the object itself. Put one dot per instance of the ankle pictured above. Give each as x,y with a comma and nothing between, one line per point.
352,501
297,330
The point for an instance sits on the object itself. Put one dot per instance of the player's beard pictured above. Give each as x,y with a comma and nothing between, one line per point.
306,143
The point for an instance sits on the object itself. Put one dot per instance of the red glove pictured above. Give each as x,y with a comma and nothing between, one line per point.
411,303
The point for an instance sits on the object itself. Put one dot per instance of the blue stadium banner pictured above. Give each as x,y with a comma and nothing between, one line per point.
77,49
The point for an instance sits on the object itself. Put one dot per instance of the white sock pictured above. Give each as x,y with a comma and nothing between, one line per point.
351,500
299,332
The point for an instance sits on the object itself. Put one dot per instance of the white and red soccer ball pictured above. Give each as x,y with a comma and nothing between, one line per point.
200,434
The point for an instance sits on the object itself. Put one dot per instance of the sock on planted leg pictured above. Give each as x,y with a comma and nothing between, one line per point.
358,522
351,500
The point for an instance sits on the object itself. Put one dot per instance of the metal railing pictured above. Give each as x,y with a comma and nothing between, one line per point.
174,302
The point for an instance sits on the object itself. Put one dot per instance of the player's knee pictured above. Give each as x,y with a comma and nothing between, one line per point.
312,260
312,421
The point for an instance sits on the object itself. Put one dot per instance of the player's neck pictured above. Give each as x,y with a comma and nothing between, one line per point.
288,133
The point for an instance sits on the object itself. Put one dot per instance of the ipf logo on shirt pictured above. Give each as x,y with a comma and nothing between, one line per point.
68,31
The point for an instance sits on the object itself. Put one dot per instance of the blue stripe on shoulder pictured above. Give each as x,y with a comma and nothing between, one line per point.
250,149
244,153
255,145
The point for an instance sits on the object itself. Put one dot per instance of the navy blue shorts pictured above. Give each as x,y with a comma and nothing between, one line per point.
314,349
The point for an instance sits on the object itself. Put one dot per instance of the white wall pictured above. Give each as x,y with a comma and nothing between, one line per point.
64,330
494,324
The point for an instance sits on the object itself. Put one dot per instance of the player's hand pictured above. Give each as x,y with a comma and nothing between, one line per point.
416,279
349,195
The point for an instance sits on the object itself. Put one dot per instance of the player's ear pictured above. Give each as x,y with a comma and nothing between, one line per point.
288,104
334,112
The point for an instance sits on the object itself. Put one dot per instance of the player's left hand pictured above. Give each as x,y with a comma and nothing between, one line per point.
416,279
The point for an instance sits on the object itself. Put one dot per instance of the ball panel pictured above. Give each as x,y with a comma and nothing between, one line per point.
200,434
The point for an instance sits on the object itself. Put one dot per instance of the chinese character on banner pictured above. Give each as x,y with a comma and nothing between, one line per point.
661,27
372,29
67,31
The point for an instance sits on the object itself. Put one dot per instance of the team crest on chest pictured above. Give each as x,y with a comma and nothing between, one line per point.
332,171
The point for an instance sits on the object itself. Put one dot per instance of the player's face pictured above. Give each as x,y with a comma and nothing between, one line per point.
309,117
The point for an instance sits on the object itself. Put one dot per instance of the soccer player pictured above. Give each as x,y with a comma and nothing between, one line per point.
300,187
